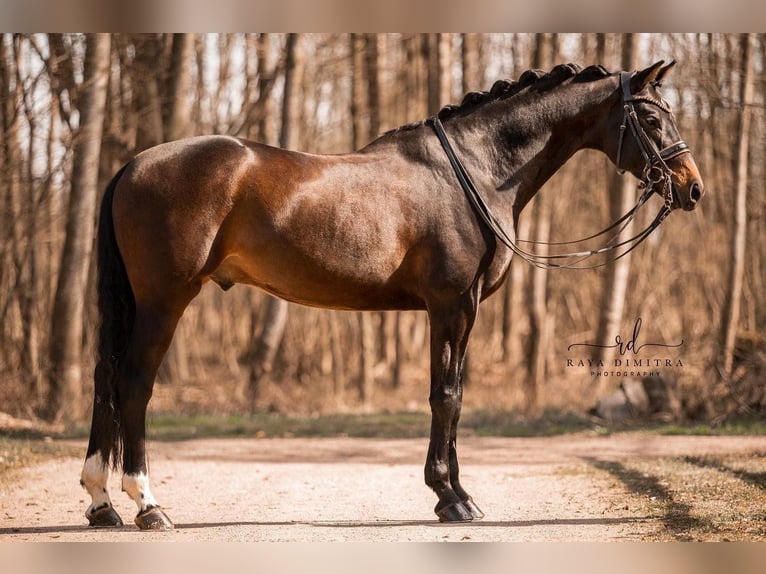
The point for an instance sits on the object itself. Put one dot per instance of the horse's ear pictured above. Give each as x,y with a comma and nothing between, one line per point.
643,78
662,73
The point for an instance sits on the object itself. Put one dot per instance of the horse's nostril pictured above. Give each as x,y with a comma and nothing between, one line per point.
695,194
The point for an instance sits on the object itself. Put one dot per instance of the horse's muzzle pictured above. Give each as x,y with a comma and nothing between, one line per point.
686,181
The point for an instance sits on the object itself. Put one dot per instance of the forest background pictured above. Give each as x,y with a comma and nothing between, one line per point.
75,107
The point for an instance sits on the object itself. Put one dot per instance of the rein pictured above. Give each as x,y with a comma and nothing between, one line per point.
656,171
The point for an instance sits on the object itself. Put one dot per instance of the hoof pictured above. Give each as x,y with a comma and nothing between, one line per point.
475,511
455,512
104,517
153,519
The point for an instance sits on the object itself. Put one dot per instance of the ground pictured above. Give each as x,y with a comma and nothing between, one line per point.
582,487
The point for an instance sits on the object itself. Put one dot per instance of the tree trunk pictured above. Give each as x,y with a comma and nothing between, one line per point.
731,313
434,83
471,82
373,85
367,357
267,344
262,115
621,199
471,51
538,317
10,162
66,329
513,321
265,124
338,359
358,102
445,68
173,103
415,79
146,83
29,259
363,107
177,124
291,100
439,64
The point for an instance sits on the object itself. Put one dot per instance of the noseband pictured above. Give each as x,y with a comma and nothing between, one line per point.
656,172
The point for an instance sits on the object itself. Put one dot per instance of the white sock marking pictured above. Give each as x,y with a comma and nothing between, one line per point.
137,487
94,475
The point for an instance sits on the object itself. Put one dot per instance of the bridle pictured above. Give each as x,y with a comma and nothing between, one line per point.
654,159
656,174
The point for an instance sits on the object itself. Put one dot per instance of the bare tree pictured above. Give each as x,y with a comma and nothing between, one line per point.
471,53
267,73
545,46
42,94
513,322
621,197
275,318
414,75
439,58
66,328
10,152
177,122
146,80
731,314
364,63
292,98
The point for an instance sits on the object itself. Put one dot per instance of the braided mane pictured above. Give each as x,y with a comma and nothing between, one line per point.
536,80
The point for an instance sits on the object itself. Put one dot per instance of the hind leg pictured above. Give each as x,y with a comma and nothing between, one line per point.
152,334
95,471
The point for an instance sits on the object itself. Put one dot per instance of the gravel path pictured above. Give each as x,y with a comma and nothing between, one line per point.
343,489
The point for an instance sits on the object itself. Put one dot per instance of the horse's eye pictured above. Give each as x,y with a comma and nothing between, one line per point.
653,121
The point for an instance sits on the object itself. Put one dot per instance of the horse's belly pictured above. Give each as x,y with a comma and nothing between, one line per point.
311,284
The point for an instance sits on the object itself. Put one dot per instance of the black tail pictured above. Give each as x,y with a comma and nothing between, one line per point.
116,308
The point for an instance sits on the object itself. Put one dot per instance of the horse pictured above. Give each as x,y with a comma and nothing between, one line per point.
395,225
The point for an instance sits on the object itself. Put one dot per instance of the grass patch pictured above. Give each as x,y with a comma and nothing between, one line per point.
164,426
751,425
382,425
30,444
698,499
512,424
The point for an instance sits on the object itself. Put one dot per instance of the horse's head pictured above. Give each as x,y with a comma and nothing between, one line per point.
648,143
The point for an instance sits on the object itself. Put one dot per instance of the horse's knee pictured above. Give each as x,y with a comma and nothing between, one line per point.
445,404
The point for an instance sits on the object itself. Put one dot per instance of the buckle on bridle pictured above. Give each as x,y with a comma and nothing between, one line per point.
651,169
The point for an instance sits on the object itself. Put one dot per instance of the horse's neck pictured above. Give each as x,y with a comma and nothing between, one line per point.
531,139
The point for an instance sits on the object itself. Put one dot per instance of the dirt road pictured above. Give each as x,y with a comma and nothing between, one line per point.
573,488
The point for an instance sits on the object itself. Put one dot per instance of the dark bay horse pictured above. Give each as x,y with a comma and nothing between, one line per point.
386,227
